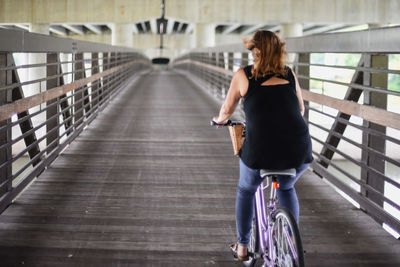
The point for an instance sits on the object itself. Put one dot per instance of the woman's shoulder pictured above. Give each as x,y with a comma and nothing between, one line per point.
247,70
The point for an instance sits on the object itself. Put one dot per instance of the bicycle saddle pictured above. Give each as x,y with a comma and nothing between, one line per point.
288,172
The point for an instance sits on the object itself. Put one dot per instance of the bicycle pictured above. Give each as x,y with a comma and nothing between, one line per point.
275,237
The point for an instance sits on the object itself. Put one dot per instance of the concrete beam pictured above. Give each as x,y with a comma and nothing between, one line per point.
170,25
144,27
231,28
153,26
94,28
276,28
252,29
179,27
189,28
145,41
58,30
202,11
135,29
325,28
22,26
74,28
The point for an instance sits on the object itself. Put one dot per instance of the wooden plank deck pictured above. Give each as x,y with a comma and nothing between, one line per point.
149,183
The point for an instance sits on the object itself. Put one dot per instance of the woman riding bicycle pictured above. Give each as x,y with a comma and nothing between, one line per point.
277,136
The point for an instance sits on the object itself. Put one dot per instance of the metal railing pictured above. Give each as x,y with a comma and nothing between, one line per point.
71,82
350,124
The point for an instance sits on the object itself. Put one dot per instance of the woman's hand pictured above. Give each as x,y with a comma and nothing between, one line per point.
218,120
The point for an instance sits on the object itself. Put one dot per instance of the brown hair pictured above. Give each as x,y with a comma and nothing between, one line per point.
269,54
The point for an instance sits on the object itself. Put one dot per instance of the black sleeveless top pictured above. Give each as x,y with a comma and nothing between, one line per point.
277,136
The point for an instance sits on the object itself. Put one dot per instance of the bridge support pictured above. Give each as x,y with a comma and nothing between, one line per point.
372,160
291,30
204,35
122,34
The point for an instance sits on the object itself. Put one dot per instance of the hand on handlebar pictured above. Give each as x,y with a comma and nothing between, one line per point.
215,122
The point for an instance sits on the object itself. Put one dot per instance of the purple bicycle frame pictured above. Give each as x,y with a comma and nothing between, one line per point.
264,225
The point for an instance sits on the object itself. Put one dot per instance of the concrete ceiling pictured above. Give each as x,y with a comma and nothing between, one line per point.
173,26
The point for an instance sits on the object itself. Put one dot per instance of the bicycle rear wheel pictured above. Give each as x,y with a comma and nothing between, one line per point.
254,245
287,242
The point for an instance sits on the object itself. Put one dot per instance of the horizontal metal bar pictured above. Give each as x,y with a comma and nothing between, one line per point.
352,85
205,65
360,127
361,146
365,69
22,41
6,111
3,128
369,113
360,182
78,122
376,115
359,163
382,40
364,202
7,198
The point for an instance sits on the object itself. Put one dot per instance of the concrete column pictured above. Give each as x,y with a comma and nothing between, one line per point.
291,30
122,34
39,28
204,35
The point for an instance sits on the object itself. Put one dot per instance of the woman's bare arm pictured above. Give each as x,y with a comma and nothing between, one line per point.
237,89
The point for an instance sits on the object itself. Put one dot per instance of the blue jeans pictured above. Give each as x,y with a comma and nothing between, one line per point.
249,180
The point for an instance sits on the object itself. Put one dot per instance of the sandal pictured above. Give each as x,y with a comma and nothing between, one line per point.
234,248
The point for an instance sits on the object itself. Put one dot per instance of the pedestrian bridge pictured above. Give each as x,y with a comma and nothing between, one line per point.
114,163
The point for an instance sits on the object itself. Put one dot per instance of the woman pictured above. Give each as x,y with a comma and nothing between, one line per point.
277,136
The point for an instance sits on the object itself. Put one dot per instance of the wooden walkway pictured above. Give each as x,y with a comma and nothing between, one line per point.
149,183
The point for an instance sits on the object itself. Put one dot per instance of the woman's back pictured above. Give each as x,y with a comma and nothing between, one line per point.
277,136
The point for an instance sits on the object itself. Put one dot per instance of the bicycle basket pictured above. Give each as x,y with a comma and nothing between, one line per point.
237,137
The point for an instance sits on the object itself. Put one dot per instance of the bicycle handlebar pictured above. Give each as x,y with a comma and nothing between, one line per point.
228,123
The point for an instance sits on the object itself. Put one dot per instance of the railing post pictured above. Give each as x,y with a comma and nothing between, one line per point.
111,80
95,85
304,70
78,93
5,135
17,94
103,89
52,110
230,60
65,107
379,100
244,61
221,64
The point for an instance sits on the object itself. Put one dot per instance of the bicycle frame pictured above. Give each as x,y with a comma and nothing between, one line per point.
265,223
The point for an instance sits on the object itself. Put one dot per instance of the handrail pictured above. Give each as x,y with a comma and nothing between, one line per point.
8,110
71,82
377,127
27,42
376,115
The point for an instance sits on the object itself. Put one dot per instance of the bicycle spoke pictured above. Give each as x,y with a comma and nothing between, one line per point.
287,248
